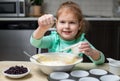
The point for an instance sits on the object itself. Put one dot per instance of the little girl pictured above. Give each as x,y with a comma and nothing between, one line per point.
70,29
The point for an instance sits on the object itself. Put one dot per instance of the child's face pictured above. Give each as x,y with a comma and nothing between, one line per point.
67,26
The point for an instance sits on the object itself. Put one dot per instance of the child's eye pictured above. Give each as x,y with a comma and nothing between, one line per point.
62,21
72,22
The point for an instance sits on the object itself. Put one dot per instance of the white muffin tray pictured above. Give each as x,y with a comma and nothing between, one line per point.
76,75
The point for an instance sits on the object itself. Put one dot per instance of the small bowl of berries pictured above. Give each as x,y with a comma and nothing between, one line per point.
16,71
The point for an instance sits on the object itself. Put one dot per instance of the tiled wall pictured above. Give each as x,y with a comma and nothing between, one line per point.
89,7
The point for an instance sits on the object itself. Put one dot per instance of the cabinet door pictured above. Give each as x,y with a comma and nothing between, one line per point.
104,35
13,43
118,42
15,38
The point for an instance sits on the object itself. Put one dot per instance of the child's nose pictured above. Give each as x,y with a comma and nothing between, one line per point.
67,25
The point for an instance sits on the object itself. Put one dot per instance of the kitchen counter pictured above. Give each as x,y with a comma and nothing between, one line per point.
36,18
36,74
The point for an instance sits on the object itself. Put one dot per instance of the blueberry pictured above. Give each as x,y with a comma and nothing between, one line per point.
16,70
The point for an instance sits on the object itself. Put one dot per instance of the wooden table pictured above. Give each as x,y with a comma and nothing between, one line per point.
36,74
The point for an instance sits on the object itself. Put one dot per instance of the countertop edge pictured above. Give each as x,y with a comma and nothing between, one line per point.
36,18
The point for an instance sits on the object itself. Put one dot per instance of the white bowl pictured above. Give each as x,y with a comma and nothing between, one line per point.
59,75
110,78
98,72
114,67
89,79
51,62
15,75
79,73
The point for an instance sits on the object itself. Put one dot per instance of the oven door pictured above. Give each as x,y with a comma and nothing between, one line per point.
13,43
14,39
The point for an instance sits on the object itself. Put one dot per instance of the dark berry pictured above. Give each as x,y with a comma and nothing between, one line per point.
16,70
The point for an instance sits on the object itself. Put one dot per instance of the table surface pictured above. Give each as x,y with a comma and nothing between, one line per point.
36,74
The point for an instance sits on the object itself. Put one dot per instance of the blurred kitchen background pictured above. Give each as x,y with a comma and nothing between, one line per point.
97,8
104,32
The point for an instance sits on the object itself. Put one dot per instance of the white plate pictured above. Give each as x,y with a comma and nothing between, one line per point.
59,75
15,75
79,73
88,79
98,72
110,78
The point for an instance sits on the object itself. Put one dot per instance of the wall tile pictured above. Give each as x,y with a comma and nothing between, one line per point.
89,7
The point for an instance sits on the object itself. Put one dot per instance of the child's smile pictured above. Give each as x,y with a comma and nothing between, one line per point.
67,32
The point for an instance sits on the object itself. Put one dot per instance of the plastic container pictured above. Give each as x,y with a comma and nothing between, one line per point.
114,67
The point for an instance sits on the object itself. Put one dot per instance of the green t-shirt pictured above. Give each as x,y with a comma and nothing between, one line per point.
55,43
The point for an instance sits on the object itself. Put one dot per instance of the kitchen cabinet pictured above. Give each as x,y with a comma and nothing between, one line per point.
105,36
15,38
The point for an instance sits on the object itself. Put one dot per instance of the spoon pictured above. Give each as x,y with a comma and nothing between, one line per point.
31,56
67,48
